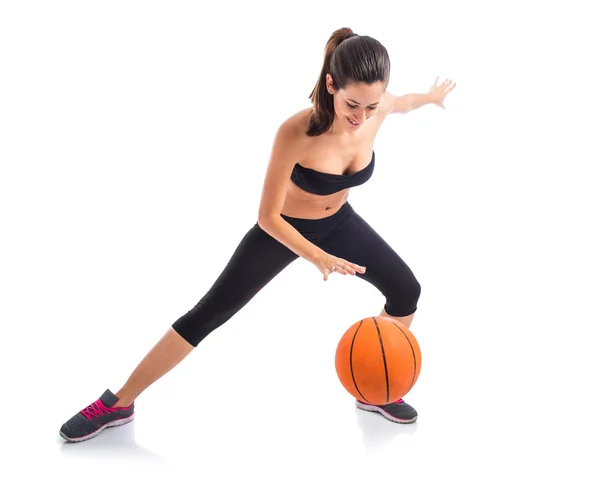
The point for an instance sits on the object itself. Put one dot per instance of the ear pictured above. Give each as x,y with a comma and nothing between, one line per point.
329,83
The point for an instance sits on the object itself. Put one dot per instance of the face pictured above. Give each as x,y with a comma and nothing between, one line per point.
356,103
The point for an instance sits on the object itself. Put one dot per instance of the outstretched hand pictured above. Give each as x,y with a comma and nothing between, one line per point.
439,93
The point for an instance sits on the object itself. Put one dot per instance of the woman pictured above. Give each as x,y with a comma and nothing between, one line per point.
318,154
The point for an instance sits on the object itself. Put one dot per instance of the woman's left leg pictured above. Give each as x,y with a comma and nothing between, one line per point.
356,241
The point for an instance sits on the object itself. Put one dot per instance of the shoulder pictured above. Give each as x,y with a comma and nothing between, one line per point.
292,131
297,124
387,104
291,143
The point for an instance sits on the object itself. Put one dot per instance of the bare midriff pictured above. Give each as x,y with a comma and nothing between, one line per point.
304,205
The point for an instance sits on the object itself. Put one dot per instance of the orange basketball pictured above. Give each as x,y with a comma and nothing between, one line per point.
378,360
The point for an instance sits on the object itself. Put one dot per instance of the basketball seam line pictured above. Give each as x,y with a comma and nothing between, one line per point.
351,368
414,356
387,378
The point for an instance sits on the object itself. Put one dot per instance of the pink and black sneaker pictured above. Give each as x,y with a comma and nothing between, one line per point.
88,422
397,411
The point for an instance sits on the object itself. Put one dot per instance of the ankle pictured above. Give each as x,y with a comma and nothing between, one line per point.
122,404
124,401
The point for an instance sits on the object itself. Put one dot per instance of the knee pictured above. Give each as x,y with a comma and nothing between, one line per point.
201,320
414,290
402,301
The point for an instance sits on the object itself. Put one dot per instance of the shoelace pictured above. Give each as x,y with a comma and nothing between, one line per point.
95,409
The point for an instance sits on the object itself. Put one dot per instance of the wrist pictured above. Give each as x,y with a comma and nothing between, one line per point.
316,255
428,98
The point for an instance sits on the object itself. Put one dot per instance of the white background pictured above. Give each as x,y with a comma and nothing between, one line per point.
134,138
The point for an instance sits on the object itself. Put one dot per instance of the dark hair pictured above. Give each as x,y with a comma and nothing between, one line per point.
349,58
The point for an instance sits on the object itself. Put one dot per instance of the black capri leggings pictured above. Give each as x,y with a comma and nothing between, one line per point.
259,258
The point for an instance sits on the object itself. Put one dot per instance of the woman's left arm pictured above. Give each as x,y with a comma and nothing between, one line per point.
409,102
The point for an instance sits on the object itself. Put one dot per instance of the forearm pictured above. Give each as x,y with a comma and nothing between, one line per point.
288,235
412,101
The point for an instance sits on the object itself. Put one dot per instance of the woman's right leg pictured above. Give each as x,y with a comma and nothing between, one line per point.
256,261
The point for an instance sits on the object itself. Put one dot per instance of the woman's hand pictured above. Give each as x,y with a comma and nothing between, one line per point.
438,93
328,264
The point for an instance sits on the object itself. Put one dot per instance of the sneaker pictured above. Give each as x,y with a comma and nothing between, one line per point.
88,422
397,411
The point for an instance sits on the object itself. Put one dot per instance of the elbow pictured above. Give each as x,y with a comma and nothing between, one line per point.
265,222
261,223
403,104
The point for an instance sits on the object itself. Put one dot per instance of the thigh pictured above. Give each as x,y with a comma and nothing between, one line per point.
356,241
257,259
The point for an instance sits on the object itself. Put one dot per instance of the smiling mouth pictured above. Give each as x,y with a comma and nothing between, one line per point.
352,122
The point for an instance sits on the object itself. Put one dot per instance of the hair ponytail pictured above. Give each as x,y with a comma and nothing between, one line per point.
322,114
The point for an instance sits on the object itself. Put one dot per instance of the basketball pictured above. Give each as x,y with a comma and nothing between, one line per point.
377,360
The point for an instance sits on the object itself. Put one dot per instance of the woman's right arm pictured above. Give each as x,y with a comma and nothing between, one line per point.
284,156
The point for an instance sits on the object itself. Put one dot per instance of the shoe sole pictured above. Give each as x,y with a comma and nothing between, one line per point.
118,422
376,409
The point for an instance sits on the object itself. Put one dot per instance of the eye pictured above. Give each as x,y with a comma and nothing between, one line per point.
352,106
372,108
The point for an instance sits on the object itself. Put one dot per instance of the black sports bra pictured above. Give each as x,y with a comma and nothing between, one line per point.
321,183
